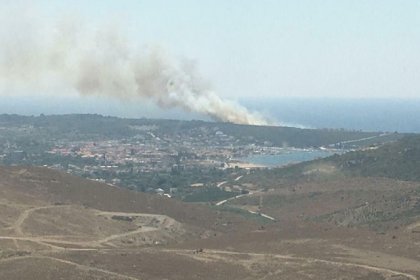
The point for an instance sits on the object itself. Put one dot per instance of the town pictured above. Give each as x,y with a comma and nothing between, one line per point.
180,159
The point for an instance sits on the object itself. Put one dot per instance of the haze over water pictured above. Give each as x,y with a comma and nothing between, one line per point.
389,115
365,114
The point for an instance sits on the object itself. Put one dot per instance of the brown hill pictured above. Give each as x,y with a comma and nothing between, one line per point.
57,226
41,186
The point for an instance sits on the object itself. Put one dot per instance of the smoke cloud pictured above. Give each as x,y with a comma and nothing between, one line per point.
102,62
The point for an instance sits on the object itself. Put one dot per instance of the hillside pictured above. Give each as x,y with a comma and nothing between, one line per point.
40,187
57,226
378,204
396,160
399,160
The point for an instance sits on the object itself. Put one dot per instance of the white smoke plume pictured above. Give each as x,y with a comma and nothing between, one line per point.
102,62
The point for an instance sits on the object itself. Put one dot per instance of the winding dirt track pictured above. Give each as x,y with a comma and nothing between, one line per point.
46,240
54,244
386,271
17,226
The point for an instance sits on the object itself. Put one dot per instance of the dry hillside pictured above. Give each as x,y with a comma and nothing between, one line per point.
57,226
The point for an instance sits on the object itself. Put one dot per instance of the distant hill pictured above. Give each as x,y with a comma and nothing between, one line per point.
396,160
80,127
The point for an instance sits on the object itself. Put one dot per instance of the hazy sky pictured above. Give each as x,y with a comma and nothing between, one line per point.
247,48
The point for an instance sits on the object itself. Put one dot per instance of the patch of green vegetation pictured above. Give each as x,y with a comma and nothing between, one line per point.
397,160
291,175
209,195
243,213
291,136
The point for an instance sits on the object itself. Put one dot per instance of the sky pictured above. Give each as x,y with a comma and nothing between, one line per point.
265,48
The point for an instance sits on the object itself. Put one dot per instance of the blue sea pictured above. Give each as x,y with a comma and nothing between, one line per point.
287,157
387,115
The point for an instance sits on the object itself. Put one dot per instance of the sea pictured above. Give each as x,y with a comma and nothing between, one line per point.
288,156
385,115
368,114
